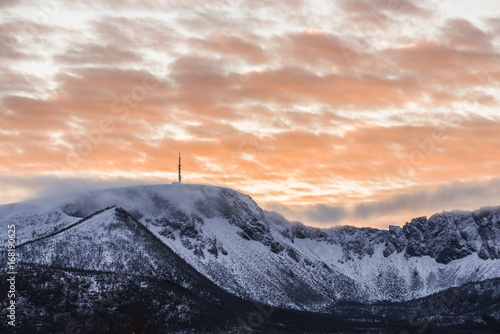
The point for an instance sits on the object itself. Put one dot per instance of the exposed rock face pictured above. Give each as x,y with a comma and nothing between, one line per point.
257,255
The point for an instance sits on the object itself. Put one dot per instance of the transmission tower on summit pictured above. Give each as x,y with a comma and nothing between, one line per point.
180,179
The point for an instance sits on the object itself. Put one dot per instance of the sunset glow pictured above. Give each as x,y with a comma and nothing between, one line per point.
358,112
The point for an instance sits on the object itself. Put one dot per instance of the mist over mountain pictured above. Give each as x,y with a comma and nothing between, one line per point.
215,246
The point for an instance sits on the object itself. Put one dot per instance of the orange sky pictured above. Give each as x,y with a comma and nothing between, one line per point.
358,112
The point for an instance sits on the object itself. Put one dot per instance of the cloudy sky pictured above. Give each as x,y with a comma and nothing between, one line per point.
360,112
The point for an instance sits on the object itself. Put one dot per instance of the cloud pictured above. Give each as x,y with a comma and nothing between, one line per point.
96,54
9,49
367,7
323,213
47,186
400,207
453,196
462,34
14,82
8,3
129,34
382,14
315,48
231,46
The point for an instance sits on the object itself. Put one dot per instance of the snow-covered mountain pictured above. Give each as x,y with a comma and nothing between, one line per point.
251,253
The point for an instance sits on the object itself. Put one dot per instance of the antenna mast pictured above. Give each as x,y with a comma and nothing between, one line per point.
180,167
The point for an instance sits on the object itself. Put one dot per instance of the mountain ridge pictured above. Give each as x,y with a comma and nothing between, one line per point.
260,256
60,199
220,256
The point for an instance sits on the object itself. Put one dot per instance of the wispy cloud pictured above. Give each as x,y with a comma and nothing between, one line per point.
399,207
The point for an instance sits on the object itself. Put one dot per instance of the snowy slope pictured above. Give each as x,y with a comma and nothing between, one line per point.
36,218
106,241
261,256
112,241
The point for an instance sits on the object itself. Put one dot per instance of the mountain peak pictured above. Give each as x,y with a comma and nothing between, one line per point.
226,237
